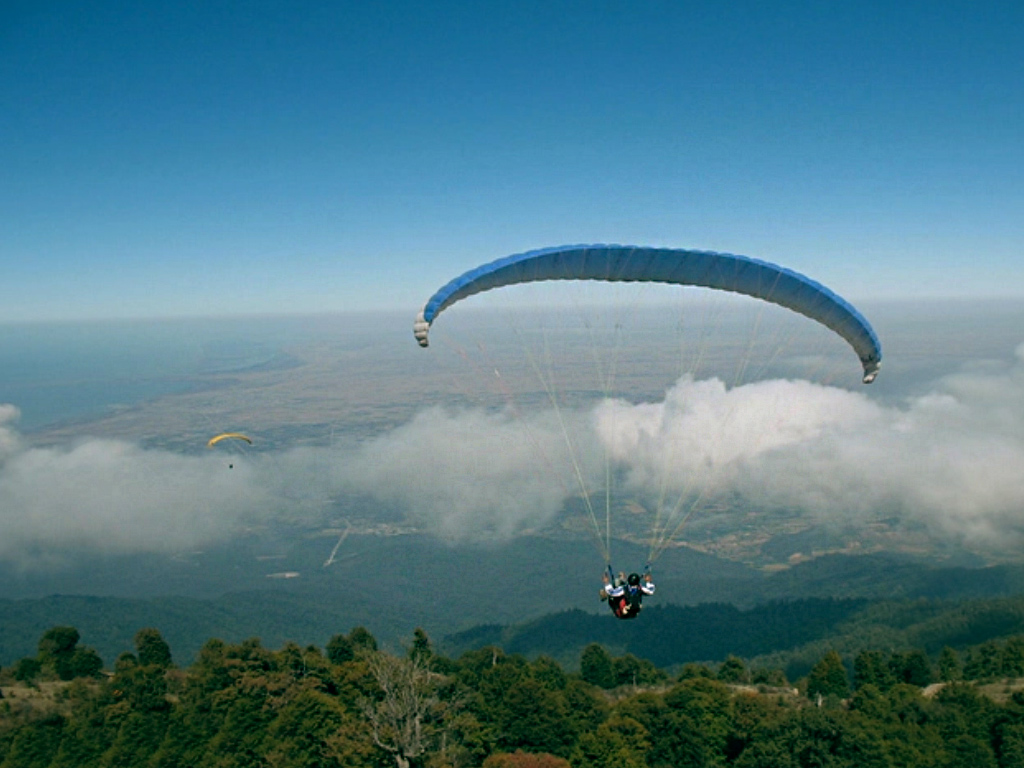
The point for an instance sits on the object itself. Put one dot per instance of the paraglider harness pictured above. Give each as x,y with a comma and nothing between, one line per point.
628,604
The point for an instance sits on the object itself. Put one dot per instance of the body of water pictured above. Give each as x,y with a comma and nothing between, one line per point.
61,372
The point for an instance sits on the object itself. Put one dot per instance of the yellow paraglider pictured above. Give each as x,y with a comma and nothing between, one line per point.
235,435
225,436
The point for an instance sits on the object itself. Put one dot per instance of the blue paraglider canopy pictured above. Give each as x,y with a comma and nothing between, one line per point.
621,263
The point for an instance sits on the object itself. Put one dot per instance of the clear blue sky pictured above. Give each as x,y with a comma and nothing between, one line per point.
260,156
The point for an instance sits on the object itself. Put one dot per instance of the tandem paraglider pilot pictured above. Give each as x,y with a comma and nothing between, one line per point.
625,596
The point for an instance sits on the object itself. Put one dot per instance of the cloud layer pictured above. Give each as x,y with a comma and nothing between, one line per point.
113,496
471,473
952,459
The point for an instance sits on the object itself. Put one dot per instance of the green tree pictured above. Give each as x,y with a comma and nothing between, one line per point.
749,714
677,740
646,708
493,683
152,648
1011,745
691,670
871,702
27,669
421,649
306,664
36,744
340,649
144,688
472,666
190,728
125,661
908,705
88,733
587,708
829,737
535,718
870,668
810,737
57,649
828,677
621,742
302,729
983,662
58,641
767,752
84,662
629,670
596,666
966,750
138,737
703,704
769,676
912,668
350,746
949,665
1012,657
244,715
959,709
549,673
362,640
733,670
465,741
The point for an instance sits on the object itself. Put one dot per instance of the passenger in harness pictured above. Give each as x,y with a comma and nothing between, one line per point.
625,595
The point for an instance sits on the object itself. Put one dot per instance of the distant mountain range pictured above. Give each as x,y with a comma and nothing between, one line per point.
791,635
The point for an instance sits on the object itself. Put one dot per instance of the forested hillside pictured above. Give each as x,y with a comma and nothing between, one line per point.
790,635
351,704
668,635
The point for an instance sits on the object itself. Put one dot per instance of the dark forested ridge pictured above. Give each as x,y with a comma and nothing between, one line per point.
671,634
788,634
386,583
391,583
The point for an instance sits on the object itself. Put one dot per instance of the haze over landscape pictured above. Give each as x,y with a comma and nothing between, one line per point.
344,408
345,349
225,218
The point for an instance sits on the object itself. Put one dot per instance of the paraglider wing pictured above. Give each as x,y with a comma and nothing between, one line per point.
619,263
226,435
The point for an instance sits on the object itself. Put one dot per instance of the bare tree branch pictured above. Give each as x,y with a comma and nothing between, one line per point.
404,719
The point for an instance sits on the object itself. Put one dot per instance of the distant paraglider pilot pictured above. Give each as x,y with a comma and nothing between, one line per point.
625,595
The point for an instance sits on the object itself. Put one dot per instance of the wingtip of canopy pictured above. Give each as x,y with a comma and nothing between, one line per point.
420,330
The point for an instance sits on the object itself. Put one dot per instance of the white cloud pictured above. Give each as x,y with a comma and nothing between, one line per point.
466,473
113,496
703,434
953,459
